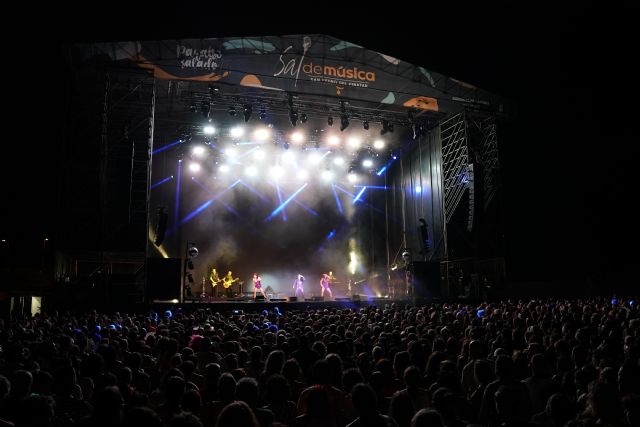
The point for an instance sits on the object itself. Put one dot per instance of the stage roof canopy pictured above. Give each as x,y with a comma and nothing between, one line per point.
318,68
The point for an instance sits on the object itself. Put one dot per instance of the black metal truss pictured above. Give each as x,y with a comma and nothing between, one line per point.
455,162
488,156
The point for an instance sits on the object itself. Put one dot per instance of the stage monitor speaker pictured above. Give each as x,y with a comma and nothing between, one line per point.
259,297
163,278
426,277
293,299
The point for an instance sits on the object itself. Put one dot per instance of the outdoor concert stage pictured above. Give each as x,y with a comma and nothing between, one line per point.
279,156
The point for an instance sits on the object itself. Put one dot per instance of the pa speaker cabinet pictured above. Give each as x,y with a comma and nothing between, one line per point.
426,279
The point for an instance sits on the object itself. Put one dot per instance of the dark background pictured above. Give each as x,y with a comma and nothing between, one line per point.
568,156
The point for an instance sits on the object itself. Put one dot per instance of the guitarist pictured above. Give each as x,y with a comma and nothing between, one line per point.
215,280
227,281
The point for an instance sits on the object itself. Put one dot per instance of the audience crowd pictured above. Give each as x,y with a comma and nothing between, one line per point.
548,363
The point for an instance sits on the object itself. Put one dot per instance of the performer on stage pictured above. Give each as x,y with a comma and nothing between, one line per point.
257,286
227,281
324,285
215,280
298,288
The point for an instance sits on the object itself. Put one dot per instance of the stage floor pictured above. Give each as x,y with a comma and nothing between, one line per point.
230,305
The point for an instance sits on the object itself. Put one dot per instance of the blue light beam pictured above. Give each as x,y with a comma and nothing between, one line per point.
277,210
165,147
335,194
159,183
357,198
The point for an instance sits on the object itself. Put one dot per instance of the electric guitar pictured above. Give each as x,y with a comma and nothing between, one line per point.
226,283
214,282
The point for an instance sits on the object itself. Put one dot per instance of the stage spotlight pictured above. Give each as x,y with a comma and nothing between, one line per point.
193,108
293,117
353,143
327,175
198,150
232,111
194,167
367,163
338,161
276,172
237,132
378,144
209,130
333,140
303,118
353,178
297,137
344,123
224,168
251,171
248,109
261,134
418,189
330,121
365,125
190,264
190,277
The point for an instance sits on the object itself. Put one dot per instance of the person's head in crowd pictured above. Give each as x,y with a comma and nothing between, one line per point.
185,419
504,367
237,414
247,391
107,406
507,400
277,389
605,404
350,378
175,388
401,409
560,409
291,370
320,372
21,383
5,388
317,404
427,418
141,417
363,399
335,369
273,364
35,411
540,367
191,402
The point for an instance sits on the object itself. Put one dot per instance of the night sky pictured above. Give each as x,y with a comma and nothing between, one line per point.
568,156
